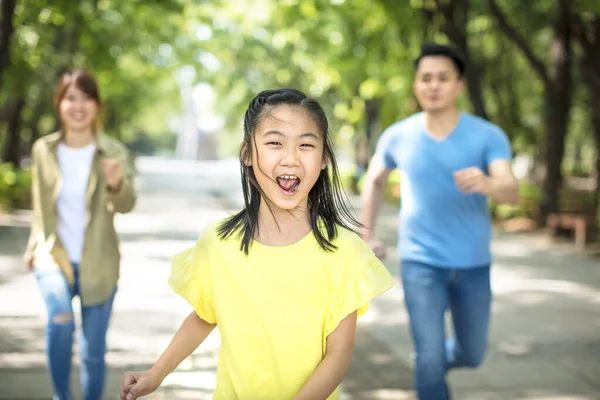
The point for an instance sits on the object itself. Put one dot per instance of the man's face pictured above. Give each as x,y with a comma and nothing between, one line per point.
437,83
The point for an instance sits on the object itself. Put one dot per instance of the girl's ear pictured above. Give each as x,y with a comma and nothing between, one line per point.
324,162
246,154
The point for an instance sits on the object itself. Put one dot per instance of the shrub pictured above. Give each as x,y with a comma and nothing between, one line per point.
15,187
392,188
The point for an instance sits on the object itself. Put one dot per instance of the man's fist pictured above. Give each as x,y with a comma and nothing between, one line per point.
472,180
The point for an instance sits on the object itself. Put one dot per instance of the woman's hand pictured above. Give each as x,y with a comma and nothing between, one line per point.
28,260
113,173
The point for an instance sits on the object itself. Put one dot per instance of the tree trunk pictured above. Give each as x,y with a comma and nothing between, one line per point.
12,149
595,101
558,100
34,124
364,144
557,88
7,13
589,38
372,123
456,15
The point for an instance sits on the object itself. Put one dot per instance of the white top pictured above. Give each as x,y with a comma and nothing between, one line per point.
75,166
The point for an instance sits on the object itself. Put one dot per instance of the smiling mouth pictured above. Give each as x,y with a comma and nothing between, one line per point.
78,116
288,183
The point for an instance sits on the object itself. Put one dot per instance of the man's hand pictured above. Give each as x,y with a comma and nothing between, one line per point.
472,180
377,247
113,173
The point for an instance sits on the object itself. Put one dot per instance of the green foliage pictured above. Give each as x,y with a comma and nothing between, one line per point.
529,200
353,55
15,187
353,186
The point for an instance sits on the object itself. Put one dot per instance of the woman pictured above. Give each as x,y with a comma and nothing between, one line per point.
81,178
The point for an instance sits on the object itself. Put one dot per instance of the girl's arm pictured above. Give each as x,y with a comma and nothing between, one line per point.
329,373
190,335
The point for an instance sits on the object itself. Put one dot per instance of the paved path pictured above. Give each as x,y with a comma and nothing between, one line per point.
545,336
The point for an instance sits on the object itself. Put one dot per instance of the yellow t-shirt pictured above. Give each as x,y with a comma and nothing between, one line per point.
276,306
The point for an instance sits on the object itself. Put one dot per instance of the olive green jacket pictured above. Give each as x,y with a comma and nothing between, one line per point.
99,266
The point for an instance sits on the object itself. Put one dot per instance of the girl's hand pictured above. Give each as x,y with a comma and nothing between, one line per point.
136,384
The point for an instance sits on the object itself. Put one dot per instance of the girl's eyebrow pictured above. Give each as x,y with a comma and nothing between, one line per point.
278,133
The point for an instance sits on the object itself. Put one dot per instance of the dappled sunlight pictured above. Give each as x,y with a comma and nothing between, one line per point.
506,286
387,309
167,222
512,249
191,380
22,297
543,325
515,346
383,394
545,395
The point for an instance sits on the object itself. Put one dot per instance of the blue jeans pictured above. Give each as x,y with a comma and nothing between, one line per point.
429,291
58,296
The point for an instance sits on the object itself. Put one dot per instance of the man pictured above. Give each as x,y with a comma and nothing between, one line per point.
450,163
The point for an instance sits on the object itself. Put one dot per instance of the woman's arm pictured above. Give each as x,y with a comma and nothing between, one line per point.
36,212
119,175
190,335
335,365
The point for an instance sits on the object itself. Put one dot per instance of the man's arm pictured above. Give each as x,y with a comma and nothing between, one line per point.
335,365
372,196
502,186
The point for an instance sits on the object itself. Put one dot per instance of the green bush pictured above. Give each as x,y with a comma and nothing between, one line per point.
530,196
392,188
15,187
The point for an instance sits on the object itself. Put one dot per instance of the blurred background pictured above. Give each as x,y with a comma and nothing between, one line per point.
176,77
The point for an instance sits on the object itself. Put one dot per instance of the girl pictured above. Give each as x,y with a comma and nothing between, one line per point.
80,179
284,279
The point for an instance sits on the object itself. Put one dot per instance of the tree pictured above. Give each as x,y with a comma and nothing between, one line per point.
456,16
7,12
557,81
586,28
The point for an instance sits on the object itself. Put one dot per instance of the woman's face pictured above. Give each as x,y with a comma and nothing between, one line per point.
78,111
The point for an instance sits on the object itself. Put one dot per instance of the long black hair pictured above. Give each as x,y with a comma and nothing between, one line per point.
326,199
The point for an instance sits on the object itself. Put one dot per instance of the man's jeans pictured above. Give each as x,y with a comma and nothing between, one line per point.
429,291
58,297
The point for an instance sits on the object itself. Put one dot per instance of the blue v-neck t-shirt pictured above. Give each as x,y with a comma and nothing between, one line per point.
439,225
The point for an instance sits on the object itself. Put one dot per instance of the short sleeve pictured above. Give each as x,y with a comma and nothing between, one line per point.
364,279
498,146
191,279
387,147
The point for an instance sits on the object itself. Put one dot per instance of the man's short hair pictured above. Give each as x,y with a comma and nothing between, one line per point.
434,49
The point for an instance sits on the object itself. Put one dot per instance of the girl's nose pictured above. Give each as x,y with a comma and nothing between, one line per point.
290,158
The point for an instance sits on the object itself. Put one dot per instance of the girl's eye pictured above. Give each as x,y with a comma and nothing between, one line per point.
307,145
274,143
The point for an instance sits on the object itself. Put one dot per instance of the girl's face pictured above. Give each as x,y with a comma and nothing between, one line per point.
287,156
77,110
